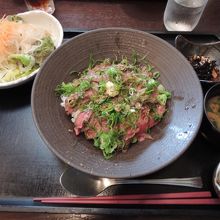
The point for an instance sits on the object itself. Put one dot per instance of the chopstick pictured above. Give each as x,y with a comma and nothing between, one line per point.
182,198
206,201
203,194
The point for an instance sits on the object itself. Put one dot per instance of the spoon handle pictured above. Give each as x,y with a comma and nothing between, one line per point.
195,182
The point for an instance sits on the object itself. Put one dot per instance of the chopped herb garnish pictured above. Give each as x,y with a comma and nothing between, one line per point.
162,99
134,58
108,142
65,89
91,62
121,101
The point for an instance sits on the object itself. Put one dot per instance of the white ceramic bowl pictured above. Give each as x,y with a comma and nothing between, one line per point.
216,180
52,25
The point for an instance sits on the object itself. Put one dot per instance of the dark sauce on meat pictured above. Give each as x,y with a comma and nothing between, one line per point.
205,68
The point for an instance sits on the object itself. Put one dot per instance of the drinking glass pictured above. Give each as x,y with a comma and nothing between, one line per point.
45,5
183,15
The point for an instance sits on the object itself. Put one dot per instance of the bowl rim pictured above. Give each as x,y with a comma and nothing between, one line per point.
24,79
179,36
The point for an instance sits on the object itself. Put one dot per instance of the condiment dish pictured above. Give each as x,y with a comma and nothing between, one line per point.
208,50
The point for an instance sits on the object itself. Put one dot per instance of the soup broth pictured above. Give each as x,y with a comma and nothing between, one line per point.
213,111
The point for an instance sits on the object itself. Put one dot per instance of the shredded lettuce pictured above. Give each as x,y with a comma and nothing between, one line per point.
45,48
25,59
23,49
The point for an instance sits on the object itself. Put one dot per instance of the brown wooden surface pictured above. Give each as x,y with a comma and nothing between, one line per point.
30,216
84,15
145,15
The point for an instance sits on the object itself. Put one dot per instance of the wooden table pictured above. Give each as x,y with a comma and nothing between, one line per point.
143,15
86,15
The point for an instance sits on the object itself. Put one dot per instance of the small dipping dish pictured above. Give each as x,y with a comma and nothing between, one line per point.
197,52
211,121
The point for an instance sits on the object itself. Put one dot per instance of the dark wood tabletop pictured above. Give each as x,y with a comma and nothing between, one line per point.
17,150
144,15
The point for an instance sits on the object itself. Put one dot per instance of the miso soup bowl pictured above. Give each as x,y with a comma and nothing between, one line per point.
211,133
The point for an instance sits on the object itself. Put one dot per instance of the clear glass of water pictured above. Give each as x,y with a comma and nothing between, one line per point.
183,15
45,5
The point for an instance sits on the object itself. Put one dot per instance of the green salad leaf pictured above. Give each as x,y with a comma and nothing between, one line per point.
45,48
26,59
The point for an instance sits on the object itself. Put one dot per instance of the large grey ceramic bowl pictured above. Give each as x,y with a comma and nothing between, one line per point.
171,137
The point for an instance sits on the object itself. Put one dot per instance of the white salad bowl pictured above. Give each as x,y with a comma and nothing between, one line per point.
49,22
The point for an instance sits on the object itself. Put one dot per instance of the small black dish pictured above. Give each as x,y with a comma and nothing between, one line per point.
209,131
211,50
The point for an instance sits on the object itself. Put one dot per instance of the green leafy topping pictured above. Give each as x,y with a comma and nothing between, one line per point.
162,90
124,61
149,91
134,57
162,99
134,140
69,88
156,75
122,93
132,91
102,87
157,117
91,62
65,89
132,118
113,117
149,67
113,72
83,86
151,84
108,142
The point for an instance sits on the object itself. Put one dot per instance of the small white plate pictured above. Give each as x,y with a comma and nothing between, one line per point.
38,17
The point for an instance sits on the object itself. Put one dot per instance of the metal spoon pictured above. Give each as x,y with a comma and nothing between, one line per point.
82,184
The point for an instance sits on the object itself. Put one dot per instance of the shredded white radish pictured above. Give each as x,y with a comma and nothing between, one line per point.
17,38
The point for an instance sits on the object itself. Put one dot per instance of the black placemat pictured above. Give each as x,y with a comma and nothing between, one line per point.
28,169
